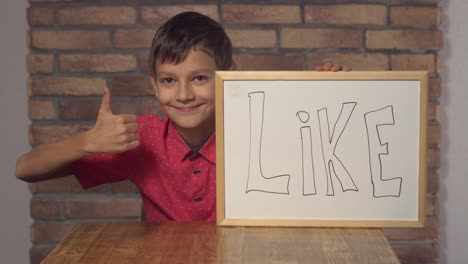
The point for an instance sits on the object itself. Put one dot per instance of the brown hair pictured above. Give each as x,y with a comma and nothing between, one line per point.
186,31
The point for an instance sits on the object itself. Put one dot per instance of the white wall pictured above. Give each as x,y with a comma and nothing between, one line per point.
454,147
14,194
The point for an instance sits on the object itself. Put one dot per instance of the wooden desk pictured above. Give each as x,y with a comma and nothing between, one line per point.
203,242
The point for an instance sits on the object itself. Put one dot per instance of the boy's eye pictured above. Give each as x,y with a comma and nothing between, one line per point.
200,78
166,81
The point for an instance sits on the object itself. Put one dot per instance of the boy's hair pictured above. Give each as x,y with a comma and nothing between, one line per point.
186,31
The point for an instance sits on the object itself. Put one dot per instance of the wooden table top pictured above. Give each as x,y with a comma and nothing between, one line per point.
204,242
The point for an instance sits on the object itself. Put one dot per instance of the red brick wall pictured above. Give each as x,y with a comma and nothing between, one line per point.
77,47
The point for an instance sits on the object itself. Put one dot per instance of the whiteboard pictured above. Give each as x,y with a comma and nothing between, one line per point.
321,149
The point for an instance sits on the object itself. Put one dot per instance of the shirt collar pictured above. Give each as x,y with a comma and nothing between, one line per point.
207,150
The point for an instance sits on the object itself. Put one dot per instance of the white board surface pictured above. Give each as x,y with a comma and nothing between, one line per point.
322,150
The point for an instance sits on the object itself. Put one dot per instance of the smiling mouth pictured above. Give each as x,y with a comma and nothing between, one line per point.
187,108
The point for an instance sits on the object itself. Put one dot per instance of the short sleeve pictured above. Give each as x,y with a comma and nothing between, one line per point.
99,169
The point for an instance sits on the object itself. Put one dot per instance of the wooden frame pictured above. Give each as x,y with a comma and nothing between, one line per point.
225,76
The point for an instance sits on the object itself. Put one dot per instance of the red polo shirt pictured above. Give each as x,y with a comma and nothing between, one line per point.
175,183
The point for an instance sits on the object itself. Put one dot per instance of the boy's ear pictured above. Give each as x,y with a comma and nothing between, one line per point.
153,83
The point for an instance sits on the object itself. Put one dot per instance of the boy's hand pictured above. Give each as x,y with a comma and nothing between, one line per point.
112,133
332,67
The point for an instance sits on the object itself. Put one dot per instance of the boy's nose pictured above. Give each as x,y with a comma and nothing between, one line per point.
185,93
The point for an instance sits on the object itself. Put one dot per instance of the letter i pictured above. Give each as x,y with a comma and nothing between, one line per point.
308,174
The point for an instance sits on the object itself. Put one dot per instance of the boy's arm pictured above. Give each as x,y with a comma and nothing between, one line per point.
50,161
111,134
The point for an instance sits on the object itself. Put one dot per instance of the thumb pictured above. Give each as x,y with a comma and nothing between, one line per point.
106,102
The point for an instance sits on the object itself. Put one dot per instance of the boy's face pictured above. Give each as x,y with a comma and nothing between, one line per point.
186,92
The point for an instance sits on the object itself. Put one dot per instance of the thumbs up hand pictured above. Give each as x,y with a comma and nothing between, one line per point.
112,133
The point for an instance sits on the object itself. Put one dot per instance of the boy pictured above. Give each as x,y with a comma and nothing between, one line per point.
171,161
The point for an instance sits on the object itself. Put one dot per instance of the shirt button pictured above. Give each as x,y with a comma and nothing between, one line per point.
197,199
197,171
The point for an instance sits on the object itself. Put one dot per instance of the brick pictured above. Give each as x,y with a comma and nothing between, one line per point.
124,107
433,183
41,233
124,187
433,158
415,16
432,206
41,110
103,207
261,14
415,253
40,63
67,184
413,62
75,86
143,57
132,85
46,209
357,61
70,39
320,38
40,16
433,134
39,252
152,107
433,111
430,231
97,63
342,1
404,39
79,109
436,252
134,38
252,38
439,63
46,134
88,109
434,88
97,15
414,1
269,62
160,14
126,1
355,14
